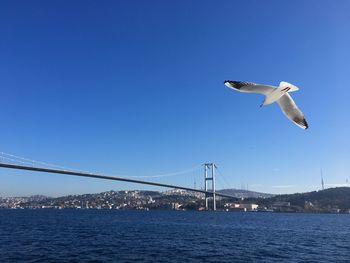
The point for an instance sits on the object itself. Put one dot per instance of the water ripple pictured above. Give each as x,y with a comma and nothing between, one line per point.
169,236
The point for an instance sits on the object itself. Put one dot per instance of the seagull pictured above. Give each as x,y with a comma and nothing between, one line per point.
273,94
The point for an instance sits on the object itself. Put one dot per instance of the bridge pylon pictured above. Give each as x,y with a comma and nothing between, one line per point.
209,167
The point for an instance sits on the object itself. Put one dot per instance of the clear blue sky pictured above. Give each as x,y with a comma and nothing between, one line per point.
136,88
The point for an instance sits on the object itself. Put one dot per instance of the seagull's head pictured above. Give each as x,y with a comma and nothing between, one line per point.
230,84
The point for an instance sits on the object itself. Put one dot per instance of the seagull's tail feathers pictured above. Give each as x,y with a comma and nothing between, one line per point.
287,87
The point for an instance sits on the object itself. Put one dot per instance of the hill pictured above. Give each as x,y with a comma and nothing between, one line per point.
328,200
239,193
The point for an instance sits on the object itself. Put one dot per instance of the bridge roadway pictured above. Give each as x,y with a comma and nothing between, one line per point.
106,177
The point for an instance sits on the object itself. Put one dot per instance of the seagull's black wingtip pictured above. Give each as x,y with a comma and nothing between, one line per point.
306,124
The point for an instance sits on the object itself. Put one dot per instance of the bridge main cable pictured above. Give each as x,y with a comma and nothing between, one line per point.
105,177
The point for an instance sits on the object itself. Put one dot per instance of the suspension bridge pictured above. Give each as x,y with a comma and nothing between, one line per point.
14,162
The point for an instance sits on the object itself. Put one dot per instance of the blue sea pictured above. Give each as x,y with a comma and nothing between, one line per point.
171,236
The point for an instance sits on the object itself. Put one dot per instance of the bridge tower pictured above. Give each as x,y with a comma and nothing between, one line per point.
209,167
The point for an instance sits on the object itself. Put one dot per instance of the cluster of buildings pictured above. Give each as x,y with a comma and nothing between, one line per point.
16,202
105,200
183,200
172,199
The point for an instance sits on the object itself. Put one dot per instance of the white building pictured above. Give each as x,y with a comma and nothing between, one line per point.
241,207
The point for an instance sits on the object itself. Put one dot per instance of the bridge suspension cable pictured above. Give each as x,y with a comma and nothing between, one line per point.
194,168
223,179
18,159
14,159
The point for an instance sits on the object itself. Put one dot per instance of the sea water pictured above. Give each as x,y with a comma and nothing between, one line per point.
171,236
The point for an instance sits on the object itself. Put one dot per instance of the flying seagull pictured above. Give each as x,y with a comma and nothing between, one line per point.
279,94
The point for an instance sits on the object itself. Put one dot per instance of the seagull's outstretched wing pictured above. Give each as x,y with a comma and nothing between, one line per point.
291,110
249,87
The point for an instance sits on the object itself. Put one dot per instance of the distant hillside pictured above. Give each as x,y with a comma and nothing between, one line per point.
239,193
317,201
333,197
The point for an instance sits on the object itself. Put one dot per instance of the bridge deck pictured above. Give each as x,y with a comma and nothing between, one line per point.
106,177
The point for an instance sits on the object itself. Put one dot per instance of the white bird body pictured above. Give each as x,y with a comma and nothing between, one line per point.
276,93
273,94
